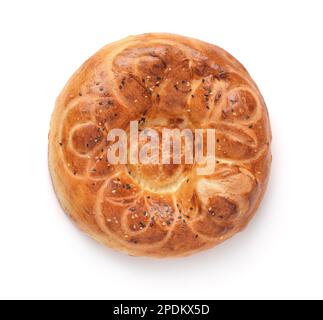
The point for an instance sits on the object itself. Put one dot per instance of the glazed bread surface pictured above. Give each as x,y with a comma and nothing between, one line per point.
160,210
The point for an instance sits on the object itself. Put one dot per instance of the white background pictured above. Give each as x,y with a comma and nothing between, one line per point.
280,255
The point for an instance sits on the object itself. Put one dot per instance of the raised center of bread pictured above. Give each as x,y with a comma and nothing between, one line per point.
162,178
162,161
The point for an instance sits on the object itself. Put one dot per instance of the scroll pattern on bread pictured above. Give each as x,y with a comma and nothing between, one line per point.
163,81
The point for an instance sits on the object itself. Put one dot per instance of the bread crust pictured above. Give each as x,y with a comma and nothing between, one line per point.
181,82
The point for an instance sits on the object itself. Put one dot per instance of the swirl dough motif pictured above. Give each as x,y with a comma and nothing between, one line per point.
170,81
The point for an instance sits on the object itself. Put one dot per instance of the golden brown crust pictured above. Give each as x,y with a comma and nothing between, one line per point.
160,210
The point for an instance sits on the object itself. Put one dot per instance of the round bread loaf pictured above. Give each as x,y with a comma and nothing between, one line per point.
154,209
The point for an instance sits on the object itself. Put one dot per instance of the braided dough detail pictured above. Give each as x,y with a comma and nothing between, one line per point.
160,210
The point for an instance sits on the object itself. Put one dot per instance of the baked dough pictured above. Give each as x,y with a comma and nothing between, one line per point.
163,80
